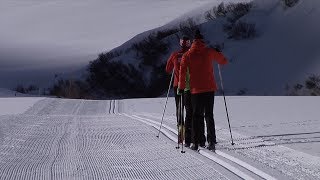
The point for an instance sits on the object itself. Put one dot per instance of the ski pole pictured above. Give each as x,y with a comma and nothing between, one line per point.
225,103
165,106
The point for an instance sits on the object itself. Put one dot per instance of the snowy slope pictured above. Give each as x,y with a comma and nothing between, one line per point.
37,43
7,93
85,139
12,102
41,38
284,52
287,50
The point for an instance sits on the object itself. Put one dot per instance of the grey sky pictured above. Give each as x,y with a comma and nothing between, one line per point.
37,34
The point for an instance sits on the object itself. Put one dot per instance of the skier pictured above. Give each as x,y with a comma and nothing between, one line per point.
173,64
199,61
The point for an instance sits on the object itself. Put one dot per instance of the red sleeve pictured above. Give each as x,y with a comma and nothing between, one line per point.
170,65
218,56
183,70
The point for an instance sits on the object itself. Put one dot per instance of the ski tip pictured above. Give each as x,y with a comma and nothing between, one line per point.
183,152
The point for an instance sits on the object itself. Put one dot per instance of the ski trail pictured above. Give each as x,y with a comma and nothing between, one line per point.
78,139
206,154
286,161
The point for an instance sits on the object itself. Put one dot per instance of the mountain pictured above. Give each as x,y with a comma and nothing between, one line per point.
272,46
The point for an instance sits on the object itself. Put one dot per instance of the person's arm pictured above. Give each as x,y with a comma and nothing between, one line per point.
218,56
170,65
183,70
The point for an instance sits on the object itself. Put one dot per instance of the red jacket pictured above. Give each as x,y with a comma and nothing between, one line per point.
174,63
199,59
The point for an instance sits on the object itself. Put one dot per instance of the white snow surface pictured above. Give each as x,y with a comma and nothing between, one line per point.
12,102
275,137
16,105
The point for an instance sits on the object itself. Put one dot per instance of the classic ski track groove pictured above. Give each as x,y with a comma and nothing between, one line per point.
274,156
259,141
59,139
208,154
58,119
110,107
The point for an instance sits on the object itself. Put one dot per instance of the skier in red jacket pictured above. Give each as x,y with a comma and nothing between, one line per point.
199,60
173,64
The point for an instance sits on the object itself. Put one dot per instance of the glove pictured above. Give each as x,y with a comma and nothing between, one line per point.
217,48
179,91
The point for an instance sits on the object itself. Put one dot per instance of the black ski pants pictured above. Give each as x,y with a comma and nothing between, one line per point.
202,104
186,101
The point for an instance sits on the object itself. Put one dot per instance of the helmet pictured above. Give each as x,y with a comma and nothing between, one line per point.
198,35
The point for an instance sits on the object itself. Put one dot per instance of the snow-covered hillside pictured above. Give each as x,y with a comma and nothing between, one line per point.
284,50
41,38
38,46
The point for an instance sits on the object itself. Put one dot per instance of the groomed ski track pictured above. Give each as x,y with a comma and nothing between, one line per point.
86,139
218,157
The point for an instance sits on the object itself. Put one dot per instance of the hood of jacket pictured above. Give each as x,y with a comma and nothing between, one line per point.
197,46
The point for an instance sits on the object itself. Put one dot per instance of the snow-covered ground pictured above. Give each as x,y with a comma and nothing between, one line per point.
41,38
16,105
275,137
12,102
293,121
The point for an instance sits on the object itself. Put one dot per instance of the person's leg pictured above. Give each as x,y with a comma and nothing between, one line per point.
177,100
201,122
209,103
181,128
182,120
188,119
197,118
195,128
208,116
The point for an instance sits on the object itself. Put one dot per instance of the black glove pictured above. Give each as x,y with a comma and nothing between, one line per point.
217,48
180,91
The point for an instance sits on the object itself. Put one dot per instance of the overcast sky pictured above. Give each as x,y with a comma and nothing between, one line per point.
42,34
58,28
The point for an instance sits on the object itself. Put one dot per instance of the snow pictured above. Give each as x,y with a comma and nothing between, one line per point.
16,105
270,117
275,137
36,43
284,52
12,102
197,13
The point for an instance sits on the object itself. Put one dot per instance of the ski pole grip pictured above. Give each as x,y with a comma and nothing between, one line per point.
220,77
